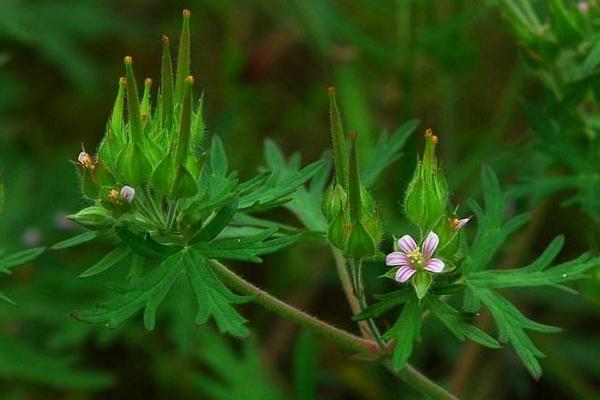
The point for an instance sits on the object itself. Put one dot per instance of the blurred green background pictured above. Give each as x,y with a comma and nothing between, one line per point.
264,67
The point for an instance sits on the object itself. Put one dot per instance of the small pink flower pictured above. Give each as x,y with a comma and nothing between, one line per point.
583,6
411,258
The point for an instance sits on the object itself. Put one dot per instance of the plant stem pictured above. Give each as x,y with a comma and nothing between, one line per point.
348,287
408,374
346,339
420,382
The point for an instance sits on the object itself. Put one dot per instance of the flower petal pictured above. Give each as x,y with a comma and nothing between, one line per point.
461,223
397,258
404,273
407,244
430,244
435,265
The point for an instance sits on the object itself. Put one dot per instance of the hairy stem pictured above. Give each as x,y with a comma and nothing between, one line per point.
348,287
352,342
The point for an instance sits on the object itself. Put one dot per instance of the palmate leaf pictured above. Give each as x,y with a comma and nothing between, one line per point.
511,325
148,291
457,323
492,229
283,181
405,331
492,233
306,201
213,298
247,248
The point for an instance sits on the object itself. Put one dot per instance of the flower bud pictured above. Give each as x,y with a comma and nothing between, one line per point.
334,202
127,193
427,195
360,244
94,217
338,231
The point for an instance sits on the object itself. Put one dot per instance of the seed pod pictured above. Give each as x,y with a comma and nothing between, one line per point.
427,196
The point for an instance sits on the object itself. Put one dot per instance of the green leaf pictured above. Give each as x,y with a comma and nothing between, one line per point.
8,300
536,274
232,374
75,240
145,246
387,151
108,261
511,327
304,202
213,298
456,322
405,331
20,361
280,186
145,293
19,258
247,248
492,230
387,302
215,225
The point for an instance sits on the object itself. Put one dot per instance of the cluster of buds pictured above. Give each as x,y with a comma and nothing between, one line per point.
151,149
354,226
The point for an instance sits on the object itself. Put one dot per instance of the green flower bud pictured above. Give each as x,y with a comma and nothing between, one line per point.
360,244
427,195
94,217
334,202
338,231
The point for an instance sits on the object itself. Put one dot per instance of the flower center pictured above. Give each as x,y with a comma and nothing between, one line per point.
416,258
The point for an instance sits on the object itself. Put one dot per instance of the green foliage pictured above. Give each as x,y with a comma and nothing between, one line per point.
405,331
493,232
234,375
22,362
179,204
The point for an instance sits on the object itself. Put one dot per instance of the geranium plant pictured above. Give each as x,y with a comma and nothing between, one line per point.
161,192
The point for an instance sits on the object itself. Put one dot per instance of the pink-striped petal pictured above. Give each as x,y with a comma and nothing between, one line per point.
461,223
404,273
434,265
407,244
430,244
397,258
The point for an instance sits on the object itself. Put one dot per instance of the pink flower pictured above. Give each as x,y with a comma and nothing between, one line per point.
583,6
411,258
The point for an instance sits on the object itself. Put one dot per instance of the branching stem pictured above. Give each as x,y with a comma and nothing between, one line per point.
352,342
